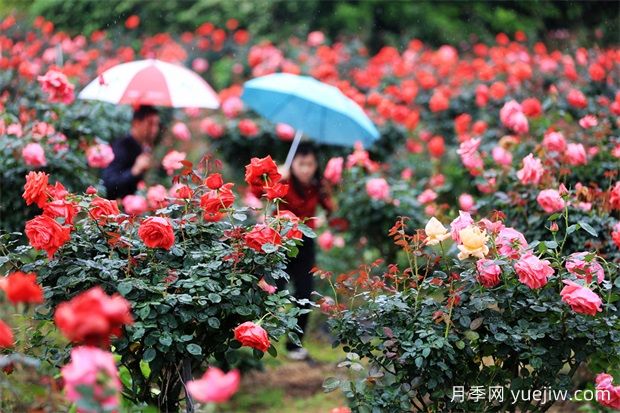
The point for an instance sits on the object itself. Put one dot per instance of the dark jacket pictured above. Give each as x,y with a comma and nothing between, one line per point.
117,177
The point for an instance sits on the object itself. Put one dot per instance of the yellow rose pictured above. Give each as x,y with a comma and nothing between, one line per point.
435,232
473,241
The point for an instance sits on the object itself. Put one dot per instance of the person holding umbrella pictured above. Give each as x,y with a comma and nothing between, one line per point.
132,154
307,191
144,84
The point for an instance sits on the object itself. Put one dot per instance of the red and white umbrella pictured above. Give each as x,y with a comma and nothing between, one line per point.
152,82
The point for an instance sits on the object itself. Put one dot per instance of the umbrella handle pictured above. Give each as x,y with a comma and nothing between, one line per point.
293,150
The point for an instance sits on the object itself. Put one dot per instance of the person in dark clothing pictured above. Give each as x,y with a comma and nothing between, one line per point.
306,192
132,154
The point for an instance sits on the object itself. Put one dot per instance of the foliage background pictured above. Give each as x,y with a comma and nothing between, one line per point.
377,21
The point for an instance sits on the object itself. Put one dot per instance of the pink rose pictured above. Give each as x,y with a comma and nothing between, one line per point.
533,271
468,151
211,128
466,202
581,299
285,132
100,155
378,188
215,386
95,369
14,129
135,204
512,116
200,64
554,141
57,87
588,122
156,196
34,155
501,156
232,106
488,272
510,242
172,161
427,196
326,241
576,154
461,222
577,265
550,201
333,170
532,170
316,38
607,394
181,131
266,287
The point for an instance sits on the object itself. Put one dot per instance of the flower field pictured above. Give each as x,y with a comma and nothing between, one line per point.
474,245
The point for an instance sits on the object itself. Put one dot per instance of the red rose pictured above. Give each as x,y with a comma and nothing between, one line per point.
92,317
132,22
185,192
531,107
6,336
44,233
248,128
58,191
23,288
436,147
226,195
260,235
35,188
261,171
213,201
61,209
214,181
252,335
276,191
101,208
156,232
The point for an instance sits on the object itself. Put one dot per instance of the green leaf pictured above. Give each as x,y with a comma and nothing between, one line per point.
165,340
551,244
240,217
330,384
588,228
554,216
426,352
194,349
213,322
273,351
215,298
149,355
125,287
500,336
268,248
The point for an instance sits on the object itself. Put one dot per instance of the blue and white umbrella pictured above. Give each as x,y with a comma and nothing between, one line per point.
316,109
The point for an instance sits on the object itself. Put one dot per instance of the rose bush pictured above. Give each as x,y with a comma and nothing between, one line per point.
505,311
196,285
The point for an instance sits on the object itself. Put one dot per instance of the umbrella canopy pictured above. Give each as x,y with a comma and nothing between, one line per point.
152,82
321,111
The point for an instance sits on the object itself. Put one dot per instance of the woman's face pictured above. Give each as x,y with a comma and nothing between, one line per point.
304,168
